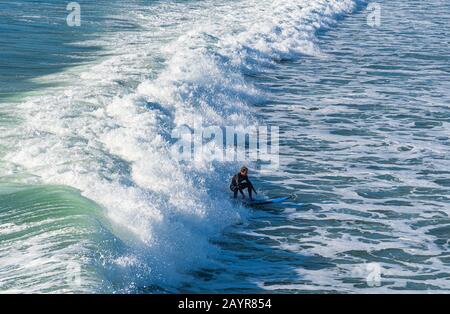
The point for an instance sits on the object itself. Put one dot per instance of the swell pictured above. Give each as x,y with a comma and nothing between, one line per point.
46,234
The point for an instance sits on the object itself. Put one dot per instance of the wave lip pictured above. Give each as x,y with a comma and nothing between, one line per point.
51,241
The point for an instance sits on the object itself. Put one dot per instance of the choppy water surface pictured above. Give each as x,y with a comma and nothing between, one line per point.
365,147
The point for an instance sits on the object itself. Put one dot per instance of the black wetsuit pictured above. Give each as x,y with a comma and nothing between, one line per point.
239,183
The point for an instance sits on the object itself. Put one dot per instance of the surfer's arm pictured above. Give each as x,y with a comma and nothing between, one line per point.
235,182
251,186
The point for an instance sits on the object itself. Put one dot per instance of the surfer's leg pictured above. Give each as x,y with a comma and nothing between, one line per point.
244,186
241,188
234,189
250,192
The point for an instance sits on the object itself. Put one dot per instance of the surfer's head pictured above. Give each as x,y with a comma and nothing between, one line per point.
244,170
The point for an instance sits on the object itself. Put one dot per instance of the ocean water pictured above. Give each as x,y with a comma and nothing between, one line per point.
91,199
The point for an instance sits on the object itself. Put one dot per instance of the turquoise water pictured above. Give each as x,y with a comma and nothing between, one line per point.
88,186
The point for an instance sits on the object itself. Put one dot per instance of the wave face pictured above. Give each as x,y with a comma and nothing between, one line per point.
104,129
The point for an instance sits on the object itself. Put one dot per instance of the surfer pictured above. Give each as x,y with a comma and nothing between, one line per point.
240,182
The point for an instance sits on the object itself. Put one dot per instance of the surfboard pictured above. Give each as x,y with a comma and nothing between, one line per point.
267,201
